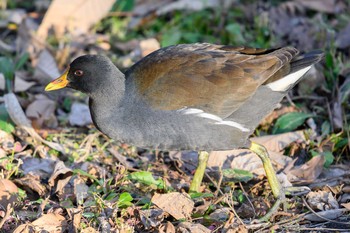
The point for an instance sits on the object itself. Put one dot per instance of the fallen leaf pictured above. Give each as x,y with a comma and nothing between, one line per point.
346,205
20,84
279,142
60,176
42,112
25,228
327,214
179,209
308,172
8,192
38,167
19,118
73,16
192,227
46,68
322,200
150,218
80,115
51,222
31,183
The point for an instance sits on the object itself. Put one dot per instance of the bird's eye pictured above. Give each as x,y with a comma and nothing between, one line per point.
78,73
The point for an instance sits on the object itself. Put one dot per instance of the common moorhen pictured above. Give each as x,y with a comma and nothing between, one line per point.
199,96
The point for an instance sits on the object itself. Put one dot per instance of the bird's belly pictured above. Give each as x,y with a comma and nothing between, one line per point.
173,132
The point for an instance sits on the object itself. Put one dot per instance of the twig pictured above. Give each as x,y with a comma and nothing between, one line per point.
247,196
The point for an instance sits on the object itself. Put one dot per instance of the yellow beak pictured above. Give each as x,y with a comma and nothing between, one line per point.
58,83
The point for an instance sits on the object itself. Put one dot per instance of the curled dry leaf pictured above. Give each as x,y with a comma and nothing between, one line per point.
180,209
50,223
19,118
60,177
8,192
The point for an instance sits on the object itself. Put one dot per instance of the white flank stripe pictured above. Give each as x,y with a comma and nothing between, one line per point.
219,121
233,124
284,83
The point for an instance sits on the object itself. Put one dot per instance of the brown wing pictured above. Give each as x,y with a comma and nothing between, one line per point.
214,78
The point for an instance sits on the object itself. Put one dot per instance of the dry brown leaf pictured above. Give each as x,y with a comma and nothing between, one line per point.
168,227
322,200
89,230
278,142
308,172
42,112
150,218
51,223
75,215
60,177
192,227
181,209
25,228
8,192
32,183
73,16
346,205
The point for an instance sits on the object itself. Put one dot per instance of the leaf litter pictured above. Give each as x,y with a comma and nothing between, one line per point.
67,176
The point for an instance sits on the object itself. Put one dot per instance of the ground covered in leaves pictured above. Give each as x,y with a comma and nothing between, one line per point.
59,174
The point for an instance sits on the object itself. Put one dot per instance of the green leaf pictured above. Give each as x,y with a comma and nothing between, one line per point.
88,214
237,175
22,60
171,37
290,121
6,126
124,200
146,178
7,68
201,195
325,128
329,158
329,60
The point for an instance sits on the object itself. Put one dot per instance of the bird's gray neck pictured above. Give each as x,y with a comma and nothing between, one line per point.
104,102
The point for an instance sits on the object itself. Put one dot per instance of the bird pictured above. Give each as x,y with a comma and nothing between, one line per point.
201,97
